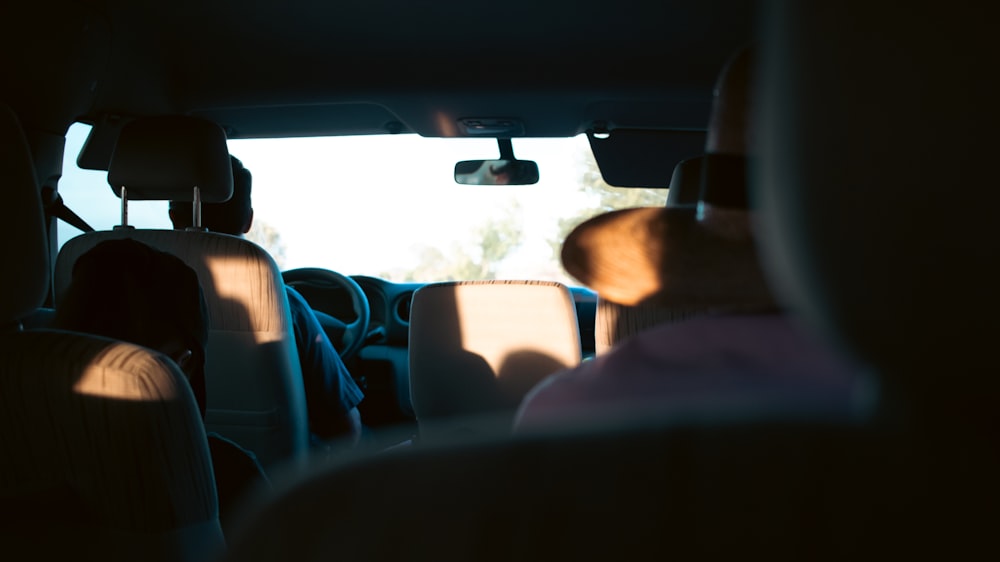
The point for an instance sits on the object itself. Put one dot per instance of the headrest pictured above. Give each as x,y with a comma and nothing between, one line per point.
850,185
163,158
685,183
724,181
22,229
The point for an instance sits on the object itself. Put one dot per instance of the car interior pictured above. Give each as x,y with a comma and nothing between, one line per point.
864,116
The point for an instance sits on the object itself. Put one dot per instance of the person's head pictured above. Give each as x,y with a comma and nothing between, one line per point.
501,173
231,217
729,125
724,205
126,290
513,172
694,259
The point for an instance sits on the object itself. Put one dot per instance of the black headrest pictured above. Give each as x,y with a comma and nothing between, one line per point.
685,183
877,190
165,157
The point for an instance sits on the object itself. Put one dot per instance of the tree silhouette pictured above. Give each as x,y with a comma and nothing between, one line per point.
267,237
496,240
604,198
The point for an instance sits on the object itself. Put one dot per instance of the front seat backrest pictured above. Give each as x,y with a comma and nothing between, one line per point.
254,383
477,347
104,452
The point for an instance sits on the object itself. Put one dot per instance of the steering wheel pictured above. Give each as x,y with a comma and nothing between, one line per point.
347,339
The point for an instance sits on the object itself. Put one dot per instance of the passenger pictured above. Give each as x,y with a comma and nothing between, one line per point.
126,290
332,396
739,353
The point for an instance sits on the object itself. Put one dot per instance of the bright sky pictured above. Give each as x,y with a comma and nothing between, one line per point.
365,204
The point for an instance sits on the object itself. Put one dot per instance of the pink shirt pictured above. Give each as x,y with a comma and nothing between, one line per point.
711,366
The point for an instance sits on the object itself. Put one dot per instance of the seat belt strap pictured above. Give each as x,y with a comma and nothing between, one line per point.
54,207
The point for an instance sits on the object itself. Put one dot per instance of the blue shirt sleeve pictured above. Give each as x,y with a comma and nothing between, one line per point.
330,390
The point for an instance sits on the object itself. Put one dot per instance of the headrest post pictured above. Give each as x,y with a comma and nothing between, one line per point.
196,208
124,197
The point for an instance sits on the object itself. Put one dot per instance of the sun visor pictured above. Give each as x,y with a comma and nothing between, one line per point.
165,157
644,158
100,143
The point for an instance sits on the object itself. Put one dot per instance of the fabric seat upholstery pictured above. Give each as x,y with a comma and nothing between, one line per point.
104,452
254,383
477,347
679,489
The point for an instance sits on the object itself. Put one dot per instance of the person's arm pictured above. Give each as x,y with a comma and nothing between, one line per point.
354,419
332,396
238,476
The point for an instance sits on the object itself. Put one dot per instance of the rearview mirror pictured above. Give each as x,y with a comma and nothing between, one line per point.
496,172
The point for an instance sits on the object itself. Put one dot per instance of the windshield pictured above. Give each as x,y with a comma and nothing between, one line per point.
388,206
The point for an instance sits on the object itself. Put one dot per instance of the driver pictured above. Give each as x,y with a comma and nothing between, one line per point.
332,396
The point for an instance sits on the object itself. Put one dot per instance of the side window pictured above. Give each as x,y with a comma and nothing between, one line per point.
87,193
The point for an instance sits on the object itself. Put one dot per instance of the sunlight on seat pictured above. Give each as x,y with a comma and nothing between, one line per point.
102,381
246,290
499,325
